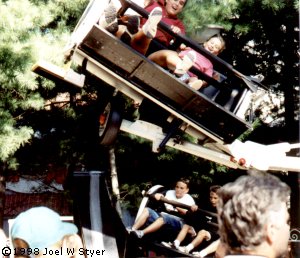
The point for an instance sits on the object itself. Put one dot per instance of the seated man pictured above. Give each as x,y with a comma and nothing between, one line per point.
159,11
155,221
197,222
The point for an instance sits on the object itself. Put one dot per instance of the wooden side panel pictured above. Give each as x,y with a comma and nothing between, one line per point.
149,77
215,118
112,50
164,82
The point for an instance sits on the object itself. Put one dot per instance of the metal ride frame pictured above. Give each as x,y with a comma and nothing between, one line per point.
91,51
101,54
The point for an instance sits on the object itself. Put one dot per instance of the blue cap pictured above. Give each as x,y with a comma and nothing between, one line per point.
41,227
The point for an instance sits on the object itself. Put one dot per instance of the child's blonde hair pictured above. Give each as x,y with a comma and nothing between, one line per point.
219,37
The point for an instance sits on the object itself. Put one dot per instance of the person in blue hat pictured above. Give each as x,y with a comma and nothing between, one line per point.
40,231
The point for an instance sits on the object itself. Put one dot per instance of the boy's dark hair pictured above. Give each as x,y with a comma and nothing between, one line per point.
185,181
214,188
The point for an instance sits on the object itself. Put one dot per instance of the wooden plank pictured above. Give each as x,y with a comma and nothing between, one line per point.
163,82
110,49
215,118
58,74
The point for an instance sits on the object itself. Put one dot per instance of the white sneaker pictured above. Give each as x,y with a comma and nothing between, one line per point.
129,229
182,249
138,233
150,27
186,63
108,19
197,254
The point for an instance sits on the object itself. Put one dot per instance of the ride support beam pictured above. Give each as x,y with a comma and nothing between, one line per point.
154,133
101,228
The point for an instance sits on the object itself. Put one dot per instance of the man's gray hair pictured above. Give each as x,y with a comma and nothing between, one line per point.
244,209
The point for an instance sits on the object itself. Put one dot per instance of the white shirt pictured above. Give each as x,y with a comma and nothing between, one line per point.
186,199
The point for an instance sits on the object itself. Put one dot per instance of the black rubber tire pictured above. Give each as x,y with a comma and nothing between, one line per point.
108,132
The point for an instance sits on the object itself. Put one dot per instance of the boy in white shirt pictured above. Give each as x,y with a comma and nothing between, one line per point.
156,220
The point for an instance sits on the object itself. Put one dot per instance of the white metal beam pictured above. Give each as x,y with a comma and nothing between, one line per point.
154,133
256,156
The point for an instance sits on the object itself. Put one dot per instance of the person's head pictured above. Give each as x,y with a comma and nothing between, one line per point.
253,217
174,7
213,195
215,44
182,187
39,228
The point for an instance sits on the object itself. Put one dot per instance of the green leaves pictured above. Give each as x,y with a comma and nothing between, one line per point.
29,31
11,139
197,14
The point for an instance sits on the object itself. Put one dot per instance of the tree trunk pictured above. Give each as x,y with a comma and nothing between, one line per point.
2,198
114,180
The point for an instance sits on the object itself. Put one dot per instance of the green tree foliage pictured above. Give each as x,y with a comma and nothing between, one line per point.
29,31
254,45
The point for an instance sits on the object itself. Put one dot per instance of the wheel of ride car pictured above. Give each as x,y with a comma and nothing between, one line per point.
109,124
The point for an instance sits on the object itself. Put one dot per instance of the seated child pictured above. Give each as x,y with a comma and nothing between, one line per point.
197,222
155,220
181,62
